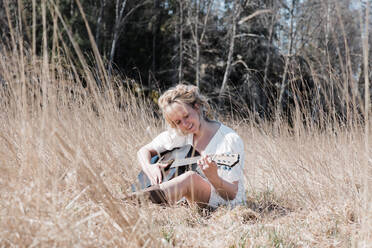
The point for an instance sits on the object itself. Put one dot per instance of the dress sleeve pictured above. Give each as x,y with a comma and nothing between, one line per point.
233,144
167,141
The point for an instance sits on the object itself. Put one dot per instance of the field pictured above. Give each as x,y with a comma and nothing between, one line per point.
68,155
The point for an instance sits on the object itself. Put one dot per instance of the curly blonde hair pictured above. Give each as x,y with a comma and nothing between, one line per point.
187,94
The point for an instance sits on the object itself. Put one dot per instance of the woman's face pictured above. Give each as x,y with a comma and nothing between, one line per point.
184,117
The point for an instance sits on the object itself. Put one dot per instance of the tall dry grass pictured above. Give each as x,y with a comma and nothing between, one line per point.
67,156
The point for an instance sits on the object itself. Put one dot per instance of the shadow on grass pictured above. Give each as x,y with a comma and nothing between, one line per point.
259,206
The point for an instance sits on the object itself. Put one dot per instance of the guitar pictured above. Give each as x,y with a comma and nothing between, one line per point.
179,161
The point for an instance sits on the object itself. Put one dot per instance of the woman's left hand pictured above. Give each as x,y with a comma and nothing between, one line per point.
208,166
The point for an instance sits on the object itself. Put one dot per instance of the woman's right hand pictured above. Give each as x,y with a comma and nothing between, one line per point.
153,172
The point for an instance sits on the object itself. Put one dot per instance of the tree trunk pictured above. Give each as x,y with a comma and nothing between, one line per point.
120,21
231,48
367,73
197,64
197,37
118,18
34,31
349,71
99,22
283,85
112,52
180,68
271,34
154,34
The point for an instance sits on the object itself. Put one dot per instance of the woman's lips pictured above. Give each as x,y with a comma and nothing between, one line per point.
189,128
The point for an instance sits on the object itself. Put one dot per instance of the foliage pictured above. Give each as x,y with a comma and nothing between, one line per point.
284,52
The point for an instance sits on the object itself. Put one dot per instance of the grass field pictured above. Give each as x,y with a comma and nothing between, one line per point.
67,157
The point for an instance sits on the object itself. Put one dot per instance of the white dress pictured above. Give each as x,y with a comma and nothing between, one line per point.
224,141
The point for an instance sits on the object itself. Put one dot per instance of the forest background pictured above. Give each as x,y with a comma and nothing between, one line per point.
257,57
79,83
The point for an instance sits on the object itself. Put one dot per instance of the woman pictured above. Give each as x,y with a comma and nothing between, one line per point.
186,111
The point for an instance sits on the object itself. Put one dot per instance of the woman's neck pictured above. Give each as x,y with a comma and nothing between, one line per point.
206,131
203,129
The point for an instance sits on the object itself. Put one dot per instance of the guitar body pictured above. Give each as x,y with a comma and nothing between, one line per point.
169,172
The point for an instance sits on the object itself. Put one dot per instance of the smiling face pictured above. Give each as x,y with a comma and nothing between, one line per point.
183,117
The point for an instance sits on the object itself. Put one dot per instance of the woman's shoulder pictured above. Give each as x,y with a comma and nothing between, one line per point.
228,130
229,134
227,140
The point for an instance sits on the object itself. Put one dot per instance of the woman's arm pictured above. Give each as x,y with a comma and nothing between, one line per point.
224,188
163,142
152,171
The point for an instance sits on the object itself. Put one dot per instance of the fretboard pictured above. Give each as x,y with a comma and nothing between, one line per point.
184,161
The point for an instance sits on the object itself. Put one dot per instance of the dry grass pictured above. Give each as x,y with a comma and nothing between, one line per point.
65,164
67,156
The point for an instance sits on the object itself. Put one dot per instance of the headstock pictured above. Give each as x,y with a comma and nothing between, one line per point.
229,160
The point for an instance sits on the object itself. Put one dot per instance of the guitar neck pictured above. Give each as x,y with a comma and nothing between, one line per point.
184,161
229,160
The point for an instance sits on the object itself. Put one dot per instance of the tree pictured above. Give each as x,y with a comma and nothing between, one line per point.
198,14
235,16
121,16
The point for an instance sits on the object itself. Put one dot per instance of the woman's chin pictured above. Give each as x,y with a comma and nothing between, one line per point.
189,131
192,129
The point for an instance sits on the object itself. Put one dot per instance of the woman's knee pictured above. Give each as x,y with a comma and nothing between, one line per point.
198,189
194,182
192,176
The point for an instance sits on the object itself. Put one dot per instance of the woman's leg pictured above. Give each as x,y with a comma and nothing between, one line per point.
189,185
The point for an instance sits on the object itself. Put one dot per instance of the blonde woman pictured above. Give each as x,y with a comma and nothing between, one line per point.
186,111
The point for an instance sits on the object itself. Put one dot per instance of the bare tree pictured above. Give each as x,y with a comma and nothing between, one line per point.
155,32
235,15
194,11
121,16
99,21
273,20
180,67
283,85
367,72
